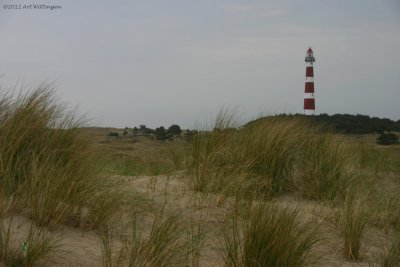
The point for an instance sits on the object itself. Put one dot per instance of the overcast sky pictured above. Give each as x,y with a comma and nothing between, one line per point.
159,62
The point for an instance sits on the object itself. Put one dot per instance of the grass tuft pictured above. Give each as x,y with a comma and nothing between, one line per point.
391,258
352,224
269,236
162,245
47,170
257,160
325,168
269,156
29,247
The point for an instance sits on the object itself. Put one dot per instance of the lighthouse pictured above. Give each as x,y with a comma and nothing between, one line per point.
309,100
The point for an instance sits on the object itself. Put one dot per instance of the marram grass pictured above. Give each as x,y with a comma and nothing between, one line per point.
268,236
391,257
46,169
352,224
267,157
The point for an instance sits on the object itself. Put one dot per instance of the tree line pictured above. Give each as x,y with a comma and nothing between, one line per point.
352,124
357,124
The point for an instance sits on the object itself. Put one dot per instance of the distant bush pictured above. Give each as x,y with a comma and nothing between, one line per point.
161,133
125,131
113,134
387,139
350,124
174,129
144,130
357,124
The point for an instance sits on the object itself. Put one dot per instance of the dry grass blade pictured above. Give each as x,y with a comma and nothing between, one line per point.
391,258
353,222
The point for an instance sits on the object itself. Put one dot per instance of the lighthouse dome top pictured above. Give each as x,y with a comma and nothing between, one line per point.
310,55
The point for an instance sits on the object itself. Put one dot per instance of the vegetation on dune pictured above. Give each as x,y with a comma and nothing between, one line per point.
356,124
35,246
46,168
257,160
273,155
387,139
268,235
134,166
391,257
165,244
371,158
161,160
325,168
51,175
174,129
348,123
46,164
353,220
268,157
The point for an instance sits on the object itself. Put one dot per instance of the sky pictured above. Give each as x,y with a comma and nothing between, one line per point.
159,62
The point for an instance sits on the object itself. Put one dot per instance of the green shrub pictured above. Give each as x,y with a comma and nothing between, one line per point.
160,133
387,139
174,129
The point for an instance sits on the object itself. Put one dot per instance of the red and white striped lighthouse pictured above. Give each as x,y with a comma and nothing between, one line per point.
309,100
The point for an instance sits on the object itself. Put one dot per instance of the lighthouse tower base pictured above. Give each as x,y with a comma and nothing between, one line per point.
309,112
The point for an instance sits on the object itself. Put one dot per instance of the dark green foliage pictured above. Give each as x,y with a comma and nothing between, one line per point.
113,134
144,130
161,133
387,139
174,129
125,131
351,124
357,124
